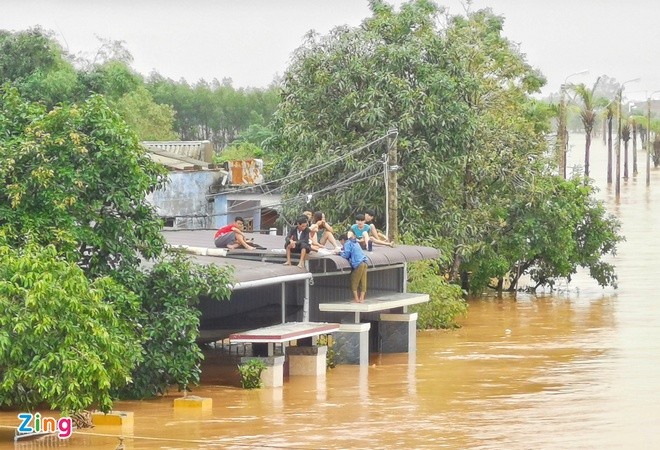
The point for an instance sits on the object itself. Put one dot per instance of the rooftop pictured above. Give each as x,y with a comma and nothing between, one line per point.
255,264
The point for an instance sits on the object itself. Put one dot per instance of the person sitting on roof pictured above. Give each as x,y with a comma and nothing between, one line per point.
374,234
361,231
231,236
324,231
297,241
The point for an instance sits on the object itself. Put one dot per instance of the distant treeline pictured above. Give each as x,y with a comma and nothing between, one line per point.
157,108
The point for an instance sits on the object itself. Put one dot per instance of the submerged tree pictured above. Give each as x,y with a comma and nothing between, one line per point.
75,228
588,117
471,140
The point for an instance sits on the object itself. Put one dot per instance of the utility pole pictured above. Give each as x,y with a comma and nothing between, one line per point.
648,141
561,133
392,202
617,183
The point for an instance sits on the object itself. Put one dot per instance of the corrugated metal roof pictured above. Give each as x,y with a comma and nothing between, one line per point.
381,255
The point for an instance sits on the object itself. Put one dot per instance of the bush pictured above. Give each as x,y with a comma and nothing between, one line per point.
251,373
65,341
446,300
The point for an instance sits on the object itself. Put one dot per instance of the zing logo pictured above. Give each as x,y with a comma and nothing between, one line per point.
33,424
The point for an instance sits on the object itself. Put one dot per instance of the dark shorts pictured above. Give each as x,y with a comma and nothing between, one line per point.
225,240
299,246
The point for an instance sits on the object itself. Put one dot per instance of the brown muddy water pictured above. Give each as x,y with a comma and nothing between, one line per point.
577,368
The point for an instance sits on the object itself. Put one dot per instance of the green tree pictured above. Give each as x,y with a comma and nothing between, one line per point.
468,132
471,140
76,177
170,293
588,116
555,211
150,120
34,62
64,340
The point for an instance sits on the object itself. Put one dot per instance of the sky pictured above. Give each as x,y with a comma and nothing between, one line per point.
251,41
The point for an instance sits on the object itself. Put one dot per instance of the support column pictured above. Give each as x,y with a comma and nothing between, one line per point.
352,343
307,360
397,333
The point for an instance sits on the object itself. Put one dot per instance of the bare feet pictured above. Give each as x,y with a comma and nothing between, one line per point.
287,263
301,265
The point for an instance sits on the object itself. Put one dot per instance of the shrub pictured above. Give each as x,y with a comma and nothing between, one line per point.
251,373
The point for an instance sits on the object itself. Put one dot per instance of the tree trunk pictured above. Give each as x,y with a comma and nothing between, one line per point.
634,149
609,149
587,146
625,159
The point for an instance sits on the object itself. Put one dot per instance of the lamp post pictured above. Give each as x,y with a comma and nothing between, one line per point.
617,189
648,138
562,134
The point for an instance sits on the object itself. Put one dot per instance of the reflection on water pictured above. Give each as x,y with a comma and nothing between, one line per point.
574,369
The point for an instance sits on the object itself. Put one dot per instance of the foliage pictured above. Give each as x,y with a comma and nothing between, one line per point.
213,111
64,340
588,116
36,64
76,177
250,373
149,120
446,301
239,151
331,355
170,293
469,133
559,228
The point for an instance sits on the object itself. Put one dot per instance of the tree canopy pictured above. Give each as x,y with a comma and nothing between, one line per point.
471,139
85,320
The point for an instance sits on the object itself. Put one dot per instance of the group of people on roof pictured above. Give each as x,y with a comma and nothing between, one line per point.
310,233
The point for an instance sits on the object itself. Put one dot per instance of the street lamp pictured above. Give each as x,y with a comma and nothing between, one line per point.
648,139
617,189
562,133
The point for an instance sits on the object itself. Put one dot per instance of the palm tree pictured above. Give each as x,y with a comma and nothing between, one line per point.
625,136
609,112
588,116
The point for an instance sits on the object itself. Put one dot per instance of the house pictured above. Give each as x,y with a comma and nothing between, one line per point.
202,195
268,293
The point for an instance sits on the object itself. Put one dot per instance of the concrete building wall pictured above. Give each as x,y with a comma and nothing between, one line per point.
184,198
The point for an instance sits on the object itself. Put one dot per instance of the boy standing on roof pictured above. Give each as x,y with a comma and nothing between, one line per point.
231,236
354,254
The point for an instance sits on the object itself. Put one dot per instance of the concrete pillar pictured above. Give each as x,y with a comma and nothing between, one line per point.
352,343
397,333
273,374
307,360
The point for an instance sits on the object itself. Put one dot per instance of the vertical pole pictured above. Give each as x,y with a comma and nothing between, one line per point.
387,191
561,132
617,189
634,149
392,202
648,141
283,298
609,146
306,302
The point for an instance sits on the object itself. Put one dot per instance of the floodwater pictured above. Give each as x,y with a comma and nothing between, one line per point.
578,368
